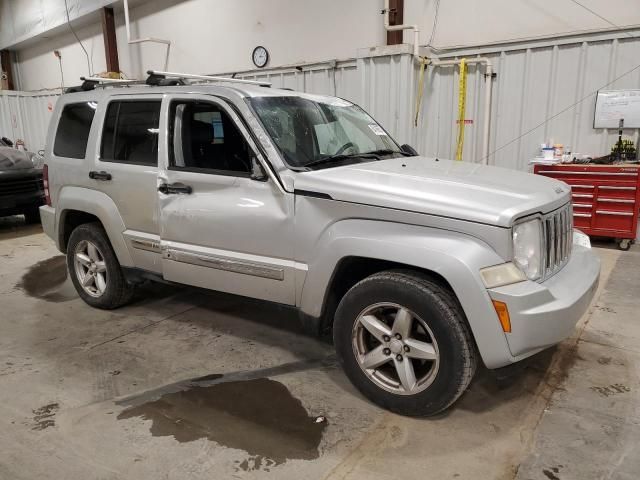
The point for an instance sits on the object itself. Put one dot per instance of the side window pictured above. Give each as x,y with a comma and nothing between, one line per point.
203,137
130,132
73,130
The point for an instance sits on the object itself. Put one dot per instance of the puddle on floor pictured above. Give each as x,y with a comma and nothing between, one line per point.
48,280
258,416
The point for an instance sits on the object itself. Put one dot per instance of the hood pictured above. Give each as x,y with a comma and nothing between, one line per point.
468,191
12,159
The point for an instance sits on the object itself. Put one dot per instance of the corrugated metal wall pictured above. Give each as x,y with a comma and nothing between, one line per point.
25,116
535,82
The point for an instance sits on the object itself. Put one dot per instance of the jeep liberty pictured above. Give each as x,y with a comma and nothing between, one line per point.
419,267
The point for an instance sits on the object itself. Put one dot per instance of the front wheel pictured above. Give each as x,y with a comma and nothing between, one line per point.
94,268
404,343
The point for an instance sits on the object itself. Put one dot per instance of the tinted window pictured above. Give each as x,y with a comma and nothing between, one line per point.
203,137
130,132
73,130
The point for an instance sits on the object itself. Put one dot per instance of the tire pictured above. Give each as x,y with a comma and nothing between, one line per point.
112,291
437,342
32,216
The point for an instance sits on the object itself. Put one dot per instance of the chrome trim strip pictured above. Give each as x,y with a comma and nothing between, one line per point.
607,187
148,245
582,205
581,186
588,215
616,200
224,263
608,212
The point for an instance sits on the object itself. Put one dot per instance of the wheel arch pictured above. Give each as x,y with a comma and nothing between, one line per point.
354,249
77,205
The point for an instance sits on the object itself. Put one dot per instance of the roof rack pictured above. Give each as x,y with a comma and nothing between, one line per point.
208,78
156,78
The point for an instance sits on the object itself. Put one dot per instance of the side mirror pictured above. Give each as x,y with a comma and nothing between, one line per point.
257,172
406,148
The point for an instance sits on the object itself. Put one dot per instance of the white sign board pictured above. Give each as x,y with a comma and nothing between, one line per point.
612,105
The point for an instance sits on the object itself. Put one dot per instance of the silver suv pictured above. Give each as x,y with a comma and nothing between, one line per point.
419,267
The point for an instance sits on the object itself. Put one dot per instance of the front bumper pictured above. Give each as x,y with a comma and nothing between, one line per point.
543,314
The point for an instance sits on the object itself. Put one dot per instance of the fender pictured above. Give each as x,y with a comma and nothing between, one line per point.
456,257
100,205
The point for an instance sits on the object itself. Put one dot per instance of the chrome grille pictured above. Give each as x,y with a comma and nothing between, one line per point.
557,231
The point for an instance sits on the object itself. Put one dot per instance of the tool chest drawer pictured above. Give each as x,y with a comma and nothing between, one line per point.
605,199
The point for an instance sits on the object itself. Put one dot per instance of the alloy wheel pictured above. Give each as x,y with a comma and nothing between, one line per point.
395,348
91,269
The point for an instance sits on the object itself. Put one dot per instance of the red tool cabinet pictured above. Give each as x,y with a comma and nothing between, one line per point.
606,198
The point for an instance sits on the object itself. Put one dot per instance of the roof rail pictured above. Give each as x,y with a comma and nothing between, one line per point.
103,80
156,78
208,78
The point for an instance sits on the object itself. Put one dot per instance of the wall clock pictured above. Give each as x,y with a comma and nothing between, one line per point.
260,56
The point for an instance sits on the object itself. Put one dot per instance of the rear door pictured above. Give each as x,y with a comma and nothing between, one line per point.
225,224
126,169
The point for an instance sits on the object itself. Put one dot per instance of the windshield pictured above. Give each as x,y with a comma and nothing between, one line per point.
308,130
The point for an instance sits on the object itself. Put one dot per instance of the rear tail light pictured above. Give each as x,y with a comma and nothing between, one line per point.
45,182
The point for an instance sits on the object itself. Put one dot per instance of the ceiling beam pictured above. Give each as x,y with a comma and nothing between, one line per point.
396,17
7,70
110,43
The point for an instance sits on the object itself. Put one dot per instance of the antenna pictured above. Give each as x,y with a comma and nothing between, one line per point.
206,78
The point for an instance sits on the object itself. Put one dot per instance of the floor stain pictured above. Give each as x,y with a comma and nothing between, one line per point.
44,416
48,280
259,416
551,473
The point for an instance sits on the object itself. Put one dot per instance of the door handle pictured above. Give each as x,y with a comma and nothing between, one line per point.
174,188
102,175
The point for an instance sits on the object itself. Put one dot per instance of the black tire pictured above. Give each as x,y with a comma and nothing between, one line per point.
118,291
435,305
32,216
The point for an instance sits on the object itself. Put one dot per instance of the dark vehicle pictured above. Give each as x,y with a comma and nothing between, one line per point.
21,187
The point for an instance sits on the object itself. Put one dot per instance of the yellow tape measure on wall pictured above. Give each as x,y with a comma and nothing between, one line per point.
462,94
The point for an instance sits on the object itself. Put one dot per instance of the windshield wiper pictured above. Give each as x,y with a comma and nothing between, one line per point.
342,156
387,151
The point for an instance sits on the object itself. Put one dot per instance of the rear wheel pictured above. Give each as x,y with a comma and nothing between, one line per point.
404,343
94,268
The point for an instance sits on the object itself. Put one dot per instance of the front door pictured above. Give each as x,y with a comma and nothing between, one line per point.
220,228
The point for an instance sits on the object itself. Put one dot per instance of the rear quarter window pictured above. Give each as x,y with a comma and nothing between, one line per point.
73,130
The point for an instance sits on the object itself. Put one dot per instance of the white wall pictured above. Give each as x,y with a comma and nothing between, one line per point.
212,36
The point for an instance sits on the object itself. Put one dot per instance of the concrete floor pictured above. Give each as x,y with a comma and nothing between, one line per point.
185,383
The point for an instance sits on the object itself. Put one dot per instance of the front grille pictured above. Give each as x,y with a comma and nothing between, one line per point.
20,186
557,231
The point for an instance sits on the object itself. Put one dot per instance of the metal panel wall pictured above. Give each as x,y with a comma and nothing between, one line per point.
25,116
544,91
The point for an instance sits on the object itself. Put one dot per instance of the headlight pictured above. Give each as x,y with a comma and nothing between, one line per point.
527,248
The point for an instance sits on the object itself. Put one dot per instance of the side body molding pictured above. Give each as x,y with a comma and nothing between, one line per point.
100,205
456,257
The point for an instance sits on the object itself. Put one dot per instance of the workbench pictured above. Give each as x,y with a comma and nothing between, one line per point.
606,198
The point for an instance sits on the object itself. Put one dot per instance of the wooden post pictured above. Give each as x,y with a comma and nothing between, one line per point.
7,69
396,17
110,44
